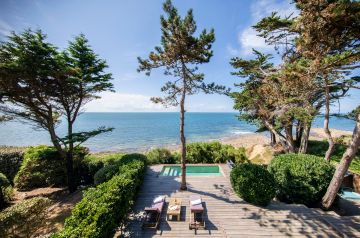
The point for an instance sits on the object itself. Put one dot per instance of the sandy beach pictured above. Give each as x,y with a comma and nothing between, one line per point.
249,140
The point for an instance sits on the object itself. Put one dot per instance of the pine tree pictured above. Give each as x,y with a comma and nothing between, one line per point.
179,54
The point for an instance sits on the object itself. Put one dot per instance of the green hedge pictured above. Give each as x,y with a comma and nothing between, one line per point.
253,183
106,173
10,160
301,178
93,163
6,191
213,152
24,218
105,207
161,156
43,166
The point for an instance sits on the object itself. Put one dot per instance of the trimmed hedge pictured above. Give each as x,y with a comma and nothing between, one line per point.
105,207
213,152
301,178
253,183
6,191
161,156
43,166
10,160
106,173
93,163
24,218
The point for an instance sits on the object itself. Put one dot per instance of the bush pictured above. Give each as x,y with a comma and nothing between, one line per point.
105,174
160,156
253,183
105,207
213,152
6,191
301,178
93,163
24,218
10,161
43,166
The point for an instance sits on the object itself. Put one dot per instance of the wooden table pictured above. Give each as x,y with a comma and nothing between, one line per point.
174,212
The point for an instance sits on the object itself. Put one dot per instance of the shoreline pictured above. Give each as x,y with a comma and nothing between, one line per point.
246,140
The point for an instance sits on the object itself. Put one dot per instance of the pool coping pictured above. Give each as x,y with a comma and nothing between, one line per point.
215,164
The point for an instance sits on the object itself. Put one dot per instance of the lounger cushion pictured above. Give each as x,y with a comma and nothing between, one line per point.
159,199
158,205
195,202
197,208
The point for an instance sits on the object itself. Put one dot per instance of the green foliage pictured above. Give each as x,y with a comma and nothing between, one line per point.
105,207
6,191
161,156
213,152
106,173
319,148
301,178
43,166
93,163
253,183
10,160
24,218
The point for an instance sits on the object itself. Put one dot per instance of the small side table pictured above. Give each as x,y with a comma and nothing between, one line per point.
174,212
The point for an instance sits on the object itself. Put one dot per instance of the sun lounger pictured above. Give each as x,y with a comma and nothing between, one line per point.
230,163
197,220
153,213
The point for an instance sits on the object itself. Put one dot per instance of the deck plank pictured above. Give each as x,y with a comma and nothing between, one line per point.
229,216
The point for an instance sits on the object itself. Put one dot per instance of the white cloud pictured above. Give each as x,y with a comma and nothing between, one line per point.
124,102
247,38
5,28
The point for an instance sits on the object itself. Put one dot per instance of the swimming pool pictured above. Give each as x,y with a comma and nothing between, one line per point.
350,195
191,170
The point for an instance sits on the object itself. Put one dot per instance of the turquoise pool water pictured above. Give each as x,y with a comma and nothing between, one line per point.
350,195
206,170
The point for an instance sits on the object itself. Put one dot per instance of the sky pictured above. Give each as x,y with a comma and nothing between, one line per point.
121,30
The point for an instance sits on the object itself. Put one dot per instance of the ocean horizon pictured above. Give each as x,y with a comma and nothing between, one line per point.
141,131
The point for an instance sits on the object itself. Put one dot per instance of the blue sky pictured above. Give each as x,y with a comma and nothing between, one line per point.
120,31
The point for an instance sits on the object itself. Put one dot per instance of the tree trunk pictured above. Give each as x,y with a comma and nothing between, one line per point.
273,139
326,124
342,167
183,141
278,137
305,139
289,139
70,161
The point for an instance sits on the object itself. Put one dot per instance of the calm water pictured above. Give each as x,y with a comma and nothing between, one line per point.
142,131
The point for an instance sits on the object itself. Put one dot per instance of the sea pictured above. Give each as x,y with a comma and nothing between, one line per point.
143,131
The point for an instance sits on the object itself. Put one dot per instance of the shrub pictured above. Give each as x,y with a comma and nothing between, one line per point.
10,161
301,178
105,174
160,156
253,183
213,152
6,191
105,207
24,218
43,166
93,163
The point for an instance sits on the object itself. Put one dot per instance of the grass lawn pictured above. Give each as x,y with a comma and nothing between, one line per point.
319,148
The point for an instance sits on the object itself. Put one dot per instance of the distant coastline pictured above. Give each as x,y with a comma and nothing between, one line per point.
139,132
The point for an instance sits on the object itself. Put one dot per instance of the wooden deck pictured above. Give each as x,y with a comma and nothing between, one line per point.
229,216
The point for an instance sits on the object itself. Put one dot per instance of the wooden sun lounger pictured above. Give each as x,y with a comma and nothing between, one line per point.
197,219
153,215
